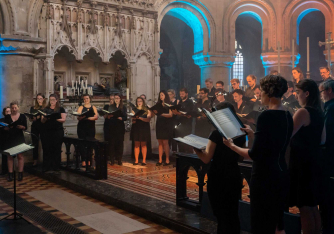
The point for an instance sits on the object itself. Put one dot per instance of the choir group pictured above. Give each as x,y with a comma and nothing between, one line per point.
286,126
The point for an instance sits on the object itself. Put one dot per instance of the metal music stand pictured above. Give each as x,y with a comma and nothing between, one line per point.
13,152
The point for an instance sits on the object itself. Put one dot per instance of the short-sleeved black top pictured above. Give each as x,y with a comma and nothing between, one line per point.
272,136
53,124
225,161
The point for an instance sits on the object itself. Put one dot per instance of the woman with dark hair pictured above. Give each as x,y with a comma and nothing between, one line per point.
15,137
118,132
308,134
3,138
269,181
36,126
140,131
224,178
52,134
86,124
297,75
164,128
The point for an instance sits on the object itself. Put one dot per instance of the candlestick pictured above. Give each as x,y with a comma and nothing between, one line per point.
76,84
72,84
293,53
127,94
86,84
279,56
61,92
198,88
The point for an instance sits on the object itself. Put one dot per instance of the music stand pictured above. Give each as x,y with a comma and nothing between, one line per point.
13,152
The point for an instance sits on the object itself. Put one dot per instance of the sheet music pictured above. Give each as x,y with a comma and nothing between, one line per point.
194,141
18,149
228,123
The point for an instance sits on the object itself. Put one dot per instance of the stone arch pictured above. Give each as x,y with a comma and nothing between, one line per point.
33,17
112,53
70,48
261,11
196,16
296,10
8,16
97,50
148,55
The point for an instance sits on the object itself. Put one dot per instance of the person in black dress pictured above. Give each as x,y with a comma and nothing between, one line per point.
109,123
184,127
52,134
173,102
86,124
269,181
308,134
140,131
3,138
117,135
36,126
164,128
203,127
15,137
223,185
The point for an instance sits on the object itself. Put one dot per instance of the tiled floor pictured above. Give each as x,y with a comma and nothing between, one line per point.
33,183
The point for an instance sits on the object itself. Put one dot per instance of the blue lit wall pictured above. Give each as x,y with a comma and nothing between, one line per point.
192,21
2,80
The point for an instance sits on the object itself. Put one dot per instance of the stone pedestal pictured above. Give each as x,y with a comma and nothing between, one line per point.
270,62
16,80
215,66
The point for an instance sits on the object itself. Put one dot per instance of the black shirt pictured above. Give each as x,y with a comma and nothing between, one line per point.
53,124
245,107
291,99
329,123
186,106
272,136
225,161
211,94
250,92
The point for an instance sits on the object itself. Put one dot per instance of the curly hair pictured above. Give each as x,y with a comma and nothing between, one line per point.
274,86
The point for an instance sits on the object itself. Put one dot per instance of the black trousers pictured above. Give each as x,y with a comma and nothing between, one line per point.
51,143
4,167
35,140
224,197
115,148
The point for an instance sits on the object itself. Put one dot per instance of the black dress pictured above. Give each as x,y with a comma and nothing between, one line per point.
305,149
15,136
36,128
269,181
86,128
224,184
164,128
3,138
140,130
52,138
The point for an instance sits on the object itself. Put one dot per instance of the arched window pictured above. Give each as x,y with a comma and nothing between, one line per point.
238,66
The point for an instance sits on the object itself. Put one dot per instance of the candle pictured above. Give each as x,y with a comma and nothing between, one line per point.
127,94
198,88
61,92
308,54
76,84
86,84
293,53
72,84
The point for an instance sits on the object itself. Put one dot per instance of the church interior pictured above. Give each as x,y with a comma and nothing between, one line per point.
127,56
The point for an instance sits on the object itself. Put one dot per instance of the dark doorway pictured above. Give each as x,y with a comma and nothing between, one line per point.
178,69
312,25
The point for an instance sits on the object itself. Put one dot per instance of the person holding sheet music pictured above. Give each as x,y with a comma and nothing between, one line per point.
118,131
52,134
241,106
109,123
3,138
140,131
203,127
164,128
270,177
185,126
15,137
86,124
223,185
36,126
309,133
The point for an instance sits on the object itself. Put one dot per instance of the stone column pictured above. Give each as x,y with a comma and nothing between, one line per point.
270,62
49,76
215,66
16,80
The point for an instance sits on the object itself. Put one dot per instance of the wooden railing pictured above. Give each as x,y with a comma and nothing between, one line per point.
90,150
